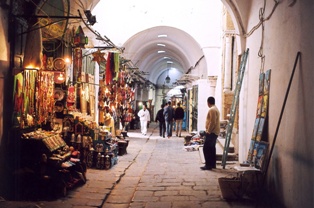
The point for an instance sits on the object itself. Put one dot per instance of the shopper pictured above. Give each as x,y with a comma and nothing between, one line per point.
178,117
144,116
161,119
109,121
168,114
212,129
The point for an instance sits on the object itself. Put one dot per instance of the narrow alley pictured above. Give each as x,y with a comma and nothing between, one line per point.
156,172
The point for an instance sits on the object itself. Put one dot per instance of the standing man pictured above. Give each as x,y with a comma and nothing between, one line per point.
178,117
212,129
162,125
168,114
144,116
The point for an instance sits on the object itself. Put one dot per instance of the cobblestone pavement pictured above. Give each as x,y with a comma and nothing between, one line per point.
155,173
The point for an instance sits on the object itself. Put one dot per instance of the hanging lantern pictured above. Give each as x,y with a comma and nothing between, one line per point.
80,40
33,49
167,79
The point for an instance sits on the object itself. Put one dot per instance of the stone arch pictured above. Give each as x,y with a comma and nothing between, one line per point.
239,18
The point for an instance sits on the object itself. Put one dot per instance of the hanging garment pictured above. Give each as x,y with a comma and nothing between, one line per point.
112,67
71,94
108,76
18,91
116,65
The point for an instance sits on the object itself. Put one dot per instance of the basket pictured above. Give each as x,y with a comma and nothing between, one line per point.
231,188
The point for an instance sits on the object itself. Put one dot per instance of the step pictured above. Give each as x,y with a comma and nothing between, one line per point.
221,142
231,158
219,152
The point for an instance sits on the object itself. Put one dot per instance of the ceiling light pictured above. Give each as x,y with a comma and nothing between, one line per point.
160,44
162,36
167,79
169,62
161,52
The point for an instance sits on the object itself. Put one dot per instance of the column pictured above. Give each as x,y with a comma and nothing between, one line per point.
227,63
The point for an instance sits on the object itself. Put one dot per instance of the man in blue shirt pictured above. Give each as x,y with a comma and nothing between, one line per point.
168,114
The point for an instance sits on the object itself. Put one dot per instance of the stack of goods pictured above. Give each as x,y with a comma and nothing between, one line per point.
192,143
46,154
103,154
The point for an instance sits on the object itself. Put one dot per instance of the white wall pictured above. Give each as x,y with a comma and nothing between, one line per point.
289,30
204,91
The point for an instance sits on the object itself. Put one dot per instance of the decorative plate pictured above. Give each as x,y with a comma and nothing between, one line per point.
58,94
59,64
59,77
58,106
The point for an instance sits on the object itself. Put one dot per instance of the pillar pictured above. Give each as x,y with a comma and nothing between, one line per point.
227,63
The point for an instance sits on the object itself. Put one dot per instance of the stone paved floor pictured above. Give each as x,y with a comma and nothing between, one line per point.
155,173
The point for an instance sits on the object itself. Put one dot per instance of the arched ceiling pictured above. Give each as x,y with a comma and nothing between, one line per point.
141,34
178,46
192,30
142,44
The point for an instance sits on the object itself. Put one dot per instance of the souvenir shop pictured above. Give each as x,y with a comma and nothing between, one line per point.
71,106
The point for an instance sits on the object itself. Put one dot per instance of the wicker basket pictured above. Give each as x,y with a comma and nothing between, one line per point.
231,188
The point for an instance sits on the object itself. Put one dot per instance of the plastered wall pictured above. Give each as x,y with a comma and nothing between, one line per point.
288,30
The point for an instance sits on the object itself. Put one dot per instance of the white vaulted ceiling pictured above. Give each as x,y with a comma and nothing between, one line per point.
179,48
193,31
135,26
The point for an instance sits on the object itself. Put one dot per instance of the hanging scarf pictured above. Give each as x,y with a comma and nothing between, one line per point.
108,76
18,91
116,65
112,67
29,91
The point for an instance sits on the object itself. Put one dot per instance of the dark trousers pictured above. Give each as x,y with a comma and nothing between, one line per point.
209,150
162,128
169,128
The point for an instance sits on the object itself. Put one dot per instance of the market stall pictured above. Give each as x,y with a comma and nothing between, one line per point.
73,102
59,132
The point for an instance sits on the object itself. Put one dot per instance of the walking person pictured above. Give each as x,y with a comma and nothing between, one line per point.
144,116
161,119
168,114
178,117
212,129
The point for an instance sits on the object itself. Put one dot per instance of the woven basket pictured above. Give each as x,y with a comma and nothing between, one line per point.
231,188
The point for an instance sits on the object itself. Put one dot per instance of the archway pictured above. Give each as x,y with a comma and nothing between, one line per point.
150,50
